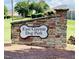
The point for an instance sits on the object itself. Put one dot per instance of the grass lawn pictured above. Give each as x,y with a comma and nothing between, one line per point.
70,28
7,29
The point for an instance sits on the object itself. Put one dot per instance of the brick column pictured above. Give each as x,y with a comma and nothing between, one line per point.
62,13
63,21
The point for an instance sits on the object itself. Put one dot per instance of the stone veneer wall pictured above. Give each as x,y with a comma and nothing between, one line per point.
56,31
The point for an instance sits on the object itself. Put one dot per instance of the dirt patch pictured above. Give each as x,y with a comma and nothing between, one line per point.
35,52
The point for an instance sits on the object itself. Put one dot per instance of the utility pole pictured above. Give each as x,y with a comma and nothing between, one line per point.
12,8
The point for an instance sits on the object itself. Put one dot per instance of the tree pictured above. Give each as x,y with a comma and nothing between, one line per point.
43,5
24,8
39,7
5,10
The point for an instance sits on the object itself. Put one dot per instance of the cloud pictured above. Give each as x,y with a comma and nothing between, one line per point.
54,3
51,3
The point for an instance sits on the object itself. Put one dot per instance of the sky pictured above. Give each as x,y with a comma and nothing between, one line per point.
52,3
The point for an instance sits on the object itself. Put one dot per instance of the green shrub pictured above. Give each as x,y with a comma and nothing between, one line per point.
37,15
71,40
50,12
40,15
7,17
33,16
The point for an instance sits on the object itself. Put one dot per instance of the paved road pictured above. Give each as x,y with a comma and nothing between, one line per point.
33,52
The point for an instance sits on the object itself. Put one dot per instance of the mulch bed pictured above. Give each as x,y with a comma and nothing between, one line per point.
34,53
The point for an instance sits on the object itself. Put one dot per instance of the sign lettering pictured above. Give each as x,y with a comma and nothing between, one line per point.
33,31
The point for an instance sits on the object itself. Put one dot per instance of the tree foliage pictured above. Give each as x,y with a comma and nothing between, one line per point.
26,8
5,10
22,8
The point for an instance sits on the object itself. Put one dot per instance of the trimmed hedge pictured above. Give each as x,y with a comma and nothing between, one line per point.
50,13
37,15
7,17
